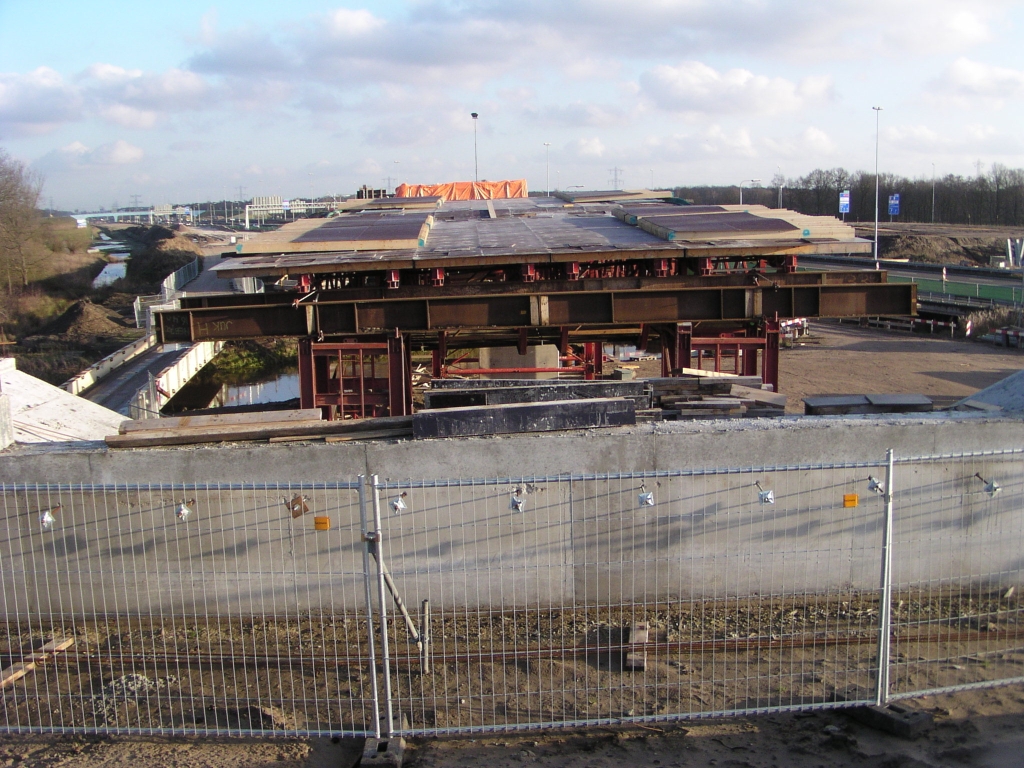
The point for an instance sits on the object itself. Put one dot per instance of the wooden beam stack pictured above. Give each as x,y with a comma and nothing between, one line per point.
690,397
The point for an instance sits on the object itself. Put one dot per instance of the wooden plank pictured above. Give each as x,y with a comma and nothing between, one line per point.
290,439
759,396
222,419
194,435
524,417
380,434
16,671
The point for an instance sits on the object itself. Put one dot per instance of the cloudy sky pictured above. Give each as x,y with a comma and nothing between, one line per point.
195,99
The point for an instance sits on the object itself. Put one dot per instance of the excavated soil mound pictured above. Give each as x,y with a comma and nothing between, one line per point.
965,251
85,323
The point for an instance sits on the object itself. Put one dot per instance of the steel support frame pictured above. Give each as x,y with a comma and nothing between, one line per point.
343,378
678,345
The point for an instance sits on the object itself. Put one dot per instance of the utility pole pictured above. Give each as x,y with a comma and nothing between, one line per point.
547,166
933,193
476,162
615,172
878,111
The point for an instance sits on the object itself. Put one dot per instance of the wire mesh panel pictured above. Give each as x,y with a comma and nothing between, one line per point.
573,601
183,609
958,618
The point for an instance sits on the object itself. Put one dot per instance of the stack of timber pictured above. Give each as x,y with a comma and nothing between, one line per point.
690,397
273,426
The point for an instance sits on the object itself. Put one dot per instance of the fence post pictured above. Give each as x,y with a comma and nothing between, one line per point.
382,605
885,600
369,541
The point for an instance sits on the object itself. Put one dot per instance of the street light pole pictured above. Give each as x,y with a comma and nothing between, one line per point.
547,166
747,181
476,164
779,167
878,111
933,193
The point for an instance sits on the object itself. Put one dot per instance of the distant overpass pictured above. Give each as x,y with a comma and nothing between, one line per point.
150,214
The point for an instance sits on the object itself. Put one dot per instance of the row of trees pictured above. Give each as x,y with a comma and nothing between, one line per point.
995,197
20,220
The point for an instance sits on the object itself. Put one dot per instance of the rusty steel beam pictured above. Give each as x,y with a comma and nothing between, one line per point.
453,288
577,310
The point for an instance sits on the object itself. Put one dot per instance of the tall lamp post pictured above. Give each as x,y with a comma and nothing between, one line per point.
476,164
878,111
933,193
547,166
747,181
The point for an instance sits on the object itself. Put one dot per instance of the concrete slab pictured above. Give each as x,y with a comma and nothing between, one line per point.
1007,394
43,413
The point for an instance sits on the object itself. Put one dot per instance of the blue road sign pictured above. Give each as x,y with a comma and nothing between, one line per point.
894,205
844,201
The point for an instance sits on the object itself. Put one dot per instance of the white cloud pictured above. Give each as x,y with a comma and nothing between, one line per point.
344,22
695,88
592,147
972,81
119,152
717,140
36,102
77,156
129,117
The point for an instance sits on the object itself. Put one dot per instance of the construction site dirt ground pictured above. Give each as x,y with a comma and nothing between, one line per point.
972,728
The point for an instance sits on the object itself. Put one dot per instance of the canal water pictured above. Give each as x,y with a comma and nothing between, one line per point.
278,389
200,393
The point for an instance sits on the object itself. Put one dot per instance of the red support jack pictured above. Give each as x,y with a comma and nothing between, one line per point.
439,355
790,265
572,270
529,272
661,268
704,267
683,346
392,278
563,340
437,276
593,360
770,365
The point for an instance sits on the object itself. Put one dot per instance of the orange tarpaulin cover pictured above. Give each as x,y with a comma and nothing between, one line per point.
465,190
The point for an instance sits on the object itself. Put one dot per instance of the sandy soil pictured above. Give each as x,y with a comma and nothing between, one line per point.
846,359
982,728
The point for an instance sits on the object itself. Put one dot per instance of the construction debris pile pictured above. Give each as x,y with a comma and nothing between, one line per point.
713,397
475,407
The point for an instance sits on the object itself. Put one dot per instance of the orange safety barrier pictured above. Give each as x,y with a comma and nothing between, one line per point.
466,190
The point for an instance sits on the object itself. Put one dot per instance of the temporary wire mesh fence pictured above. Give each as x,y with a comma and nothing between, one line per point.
507,604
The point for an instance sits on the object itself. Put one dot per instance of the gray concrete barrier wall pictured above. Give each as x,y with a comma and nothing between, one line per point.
575,543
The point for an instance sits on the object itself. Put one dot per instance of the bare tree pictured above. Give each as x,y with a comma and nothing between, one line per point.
20,222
